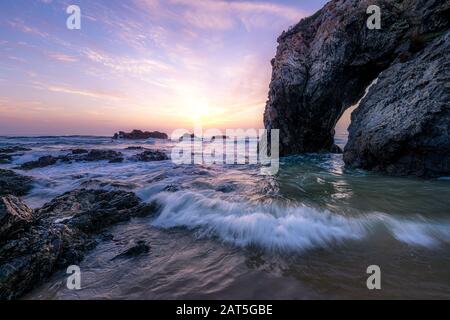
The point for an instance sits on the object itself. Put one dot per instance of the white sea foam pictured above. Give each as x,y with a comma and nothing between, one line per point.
291,228
213,214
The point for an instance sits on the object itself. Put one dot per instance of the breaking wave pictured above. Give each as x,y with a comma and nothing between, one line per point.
286,228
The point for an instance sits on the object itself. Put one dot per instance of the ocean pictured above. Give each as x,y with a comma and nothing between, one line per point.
227,232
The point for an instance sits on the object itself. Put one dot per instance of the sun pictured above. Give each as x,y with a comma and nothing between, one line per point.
198,109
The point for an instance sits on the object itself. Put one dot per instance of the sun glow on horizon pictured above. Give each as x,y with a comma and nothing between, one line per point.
152,65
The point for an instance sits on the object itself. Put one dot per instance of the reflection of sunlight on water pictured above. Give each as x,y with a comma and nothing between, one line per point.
342,190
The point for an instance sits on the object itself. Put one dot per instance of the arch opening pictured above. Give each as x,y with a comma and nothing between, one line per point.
344,120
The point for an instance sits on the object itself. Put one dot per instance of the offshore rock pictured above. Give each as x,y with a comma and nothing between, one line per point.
140,135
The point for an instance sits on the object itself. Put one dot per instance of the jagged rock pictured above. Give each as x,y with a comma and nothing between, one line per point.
13,149
189,137
151,155
59,234
98,155
226,188
76,155
135,148
14,216
14,184
79,151
32,256
324,64
138,135
402,126
42,162
140,248
336,149
92,210
223,137
5,158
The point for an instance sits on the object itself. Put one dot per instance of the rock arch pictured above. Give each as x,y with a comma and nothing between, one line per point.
324,63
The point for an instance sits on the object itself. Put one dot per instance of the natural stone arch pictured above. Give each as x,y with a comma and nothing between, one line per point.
324,64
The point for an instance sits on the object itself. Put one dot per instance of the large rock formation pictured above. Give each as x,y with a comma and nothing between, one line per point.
324,64
138,135
402,127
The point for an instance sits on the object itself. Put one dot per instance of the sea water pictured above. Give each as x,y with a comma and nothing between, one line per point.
310,231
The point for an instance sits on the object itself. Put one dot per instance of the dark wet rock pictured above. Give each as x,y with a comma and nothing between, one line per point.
42,162
78,176
14,184
75,155
226,188
140,135
65,159
15,216
189,137
105,236
224,137
116,160
336,149
5,158
151,155
201,172
79,151
14,149
140,248
324,64
171,188
92,210
99,155
30,257
58,235
135,148
402,126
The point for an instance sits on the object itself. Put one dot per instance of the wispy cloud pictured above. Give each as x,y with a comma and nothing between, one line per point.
223,15
62,57
98,94
126,64
20,25
159,59
22,60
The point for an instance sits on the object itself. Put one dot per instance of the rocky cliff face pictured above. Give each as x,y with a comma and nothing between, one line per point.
324,64
402,126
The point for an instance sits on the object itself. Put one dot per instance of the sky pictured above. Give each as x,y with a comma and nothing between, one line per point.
144,64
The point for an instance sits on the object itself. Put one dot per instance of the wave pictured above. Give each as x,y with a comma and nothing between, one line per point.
286,228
